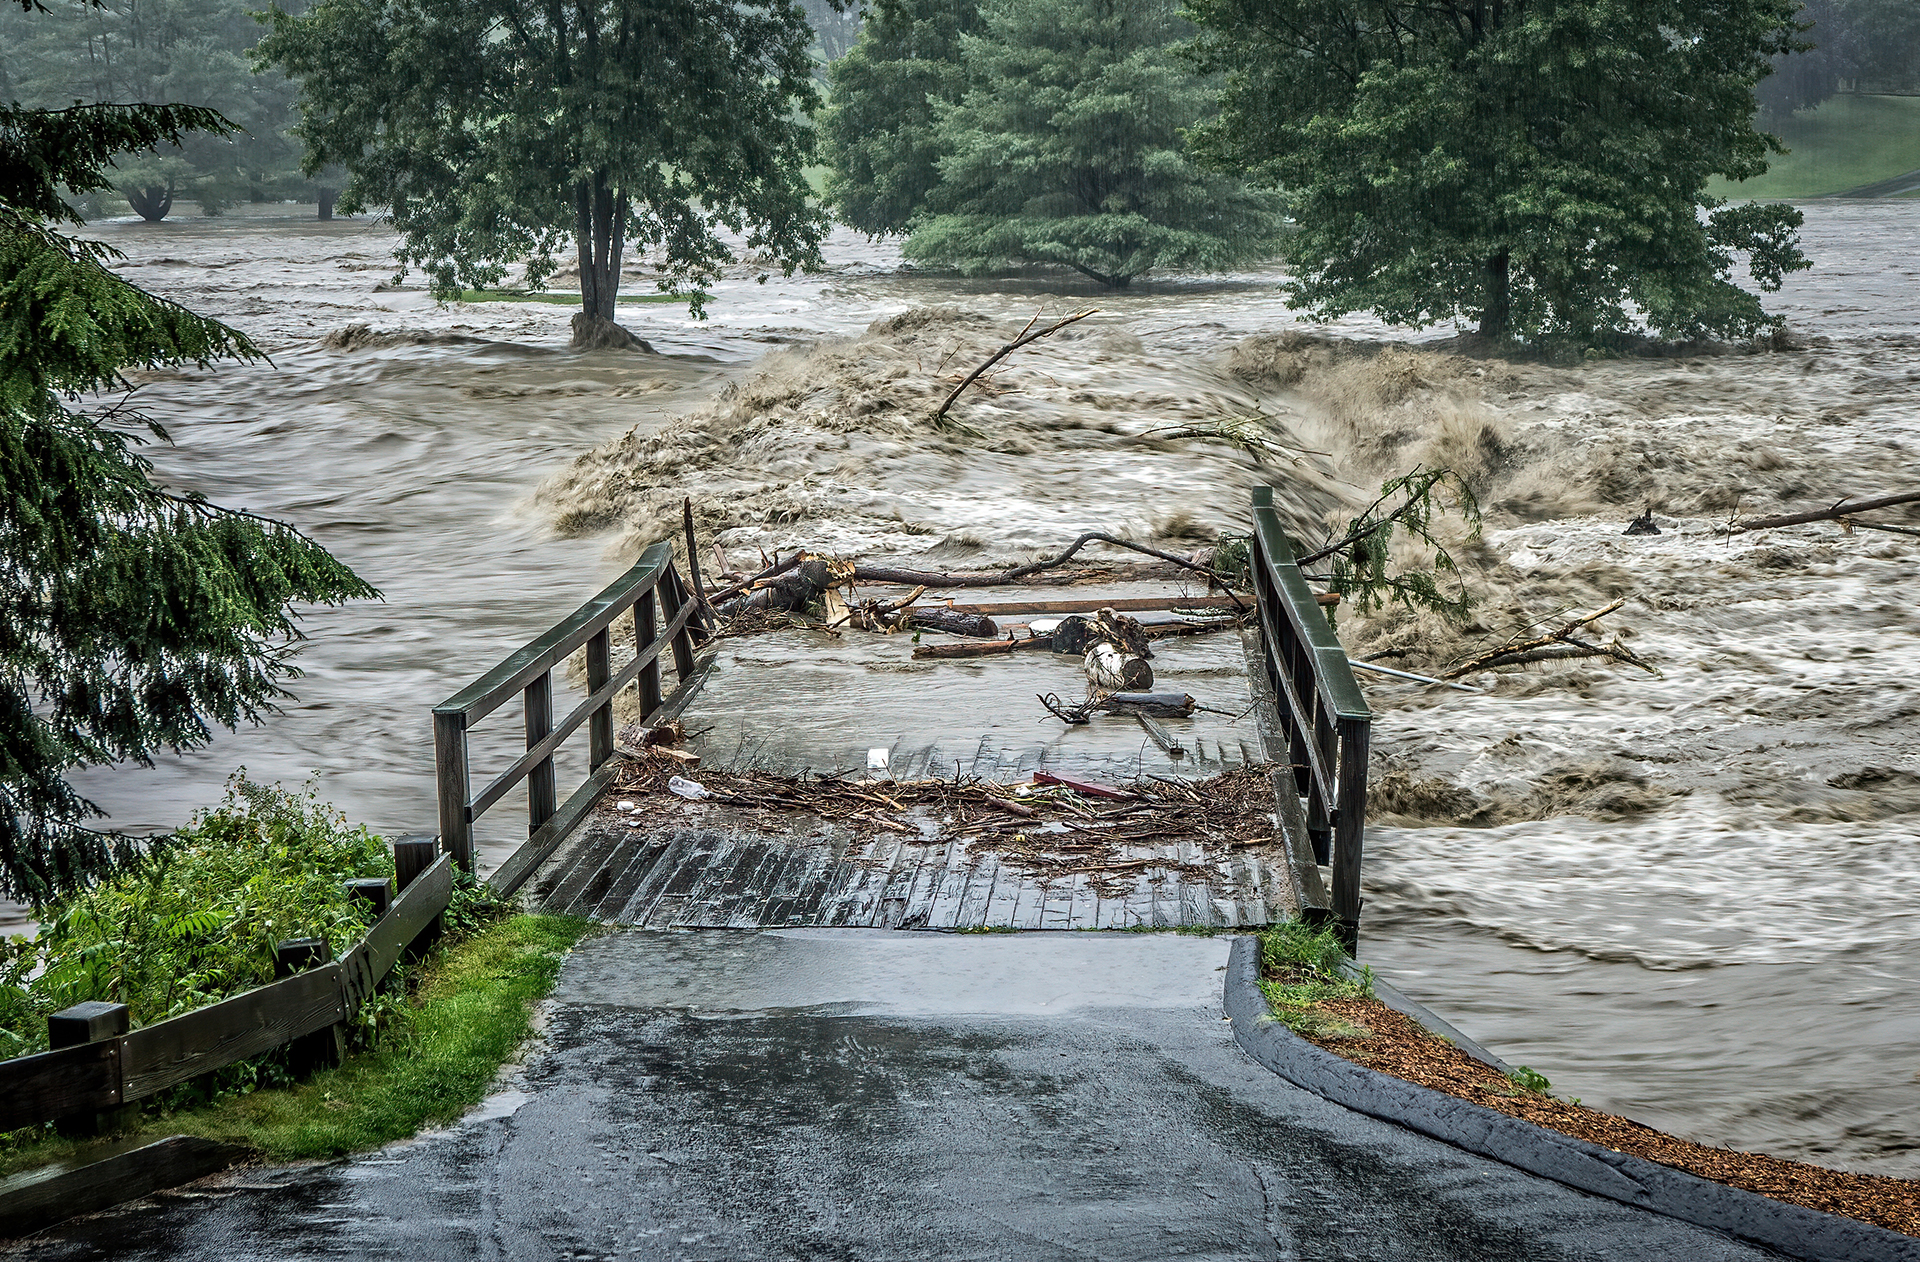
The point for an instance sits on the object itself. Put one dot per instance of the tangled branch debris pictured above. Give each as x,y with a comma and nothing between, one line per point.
1048,828
1556,646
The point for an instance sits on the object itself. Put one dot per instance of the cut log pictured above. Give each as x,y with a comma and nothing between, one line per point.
1165,705
1083,786
952,622
993,648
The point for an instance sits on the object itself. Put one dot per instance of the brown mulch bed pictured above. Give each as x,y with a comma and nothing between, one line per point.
1399,1046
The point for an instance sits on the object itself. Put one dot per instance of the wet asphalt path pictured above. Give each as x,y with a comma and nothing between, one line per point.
817,1094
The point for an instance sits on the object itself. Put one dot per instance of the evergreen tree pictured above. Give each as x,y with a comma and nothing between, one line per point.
1539,166
132,619
494,131
1068,149
878,140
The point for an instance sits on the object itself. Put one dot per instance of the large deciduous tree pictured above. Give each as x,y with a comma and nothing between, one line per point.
132,618
1068,149
1536,166
495,130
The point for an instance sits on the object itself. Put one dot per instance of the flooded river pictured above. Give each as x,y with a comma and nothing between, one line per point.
1689,898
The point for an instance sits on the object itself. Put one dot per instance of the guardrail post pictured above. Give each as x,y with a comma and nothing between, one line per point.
374,891
450,776
538,704
1349,829
322,1049
411,857
644,630
672,597
600,722
91,1022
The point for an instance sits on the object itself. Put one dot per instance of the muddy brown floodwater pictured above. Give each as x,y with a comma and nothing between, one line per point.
1690,899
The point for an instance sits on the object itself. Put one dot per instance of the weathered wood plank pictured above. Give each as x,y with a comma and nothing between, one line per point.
416,908
775,879
933,869
676,898
713,905
806,906
639,904
890,907
172,1051
949,896
583,864
524,862
37,1089
1003,898
39,1198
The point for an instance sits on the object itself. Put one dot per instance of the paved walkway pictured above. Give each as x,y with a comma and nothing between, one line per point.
846,1094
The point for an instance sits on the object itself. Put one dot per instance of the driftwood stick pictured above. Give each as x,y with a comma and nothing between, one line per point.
1024,338
1502,656
1841,508
1874,525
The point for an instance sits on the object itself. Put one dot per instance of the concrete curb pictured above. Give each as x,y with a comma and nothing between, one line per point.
1791,1229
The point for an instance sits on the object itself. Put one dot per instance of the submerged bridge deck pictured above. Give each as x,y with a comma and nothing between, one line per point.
1279,734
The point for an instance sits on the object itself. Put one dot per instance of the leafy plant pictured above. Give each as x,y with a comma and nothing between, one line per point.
1363,572
1528,1080
197,919
1303,967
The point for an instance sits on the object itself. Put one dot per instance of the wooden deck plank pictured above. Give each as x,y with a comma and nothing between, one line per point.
640,901
890,909
926,883
581,863
804,909
645,853
1056,905
706,849
848,872
776,882
949,895
711,902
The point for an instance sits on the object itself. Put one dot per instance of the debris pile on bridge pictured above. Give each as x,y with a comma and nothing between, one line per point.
1052,827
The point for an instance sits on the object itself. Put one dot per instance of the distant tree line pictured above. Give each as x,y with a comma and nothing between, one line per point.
1867,45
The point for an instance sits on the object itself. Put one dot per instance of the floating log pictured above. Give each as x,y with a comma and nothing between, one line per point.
1842,508
1166,705
952,622
993,648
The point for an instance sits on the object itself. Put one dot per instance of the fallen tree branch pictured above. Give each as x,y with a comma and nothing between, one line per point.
1024,338
1841,508
1559,645
911,578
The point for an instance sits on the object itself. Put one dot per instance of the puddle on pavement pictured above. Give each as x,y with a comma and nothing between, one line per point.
855,972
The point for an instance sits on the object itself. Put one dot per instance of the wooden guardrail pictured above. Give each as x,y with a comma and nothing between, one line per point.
529,672
1325,723
98,1064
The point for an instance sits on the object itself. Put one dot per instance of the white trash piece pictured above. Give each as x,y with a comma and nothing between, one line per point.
689,789
623,806
876,760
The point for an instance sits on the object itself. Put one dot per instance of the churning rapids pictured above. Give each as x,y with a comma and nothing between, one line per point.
1691,899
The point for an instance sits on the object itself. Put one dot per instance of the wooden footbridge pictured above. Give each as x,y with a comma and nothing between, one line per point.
659,860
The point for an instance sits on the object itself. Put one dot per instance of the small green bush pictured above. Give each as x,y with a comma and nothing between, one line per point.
196,918
1301,967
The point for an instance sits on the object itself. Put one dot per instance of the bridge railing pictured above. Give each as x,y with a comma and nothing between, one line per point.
1324,722
678,626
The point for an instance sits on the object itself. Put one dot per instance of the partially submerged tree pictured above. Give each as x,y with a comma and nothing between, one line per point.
494,131
132,619
1068,149
1538,167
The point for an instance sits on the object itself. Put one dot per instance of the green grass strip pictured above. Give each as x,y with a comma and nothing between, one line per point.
1847,142
558,298
472,1010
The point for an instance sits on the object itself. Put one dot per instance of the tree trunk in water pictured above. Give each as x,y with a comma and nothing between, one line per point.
1497,314
327,197
600,232
151,203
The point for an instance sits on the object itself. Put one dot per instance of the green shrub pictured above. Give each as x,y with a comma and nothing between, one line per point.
196,918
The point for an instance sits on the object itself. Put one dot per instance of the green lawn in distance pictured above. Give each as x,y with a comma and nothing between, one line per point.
559,297
1847,142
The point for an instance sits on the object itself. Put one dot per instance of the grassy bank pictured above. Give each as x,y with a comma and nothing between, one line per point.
1847,142
471,1008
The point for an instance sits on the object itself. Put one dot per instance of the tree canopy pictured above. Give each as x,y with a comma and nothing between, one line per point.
878,141
1037,132
1537,166
132,619
494,131
163,51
